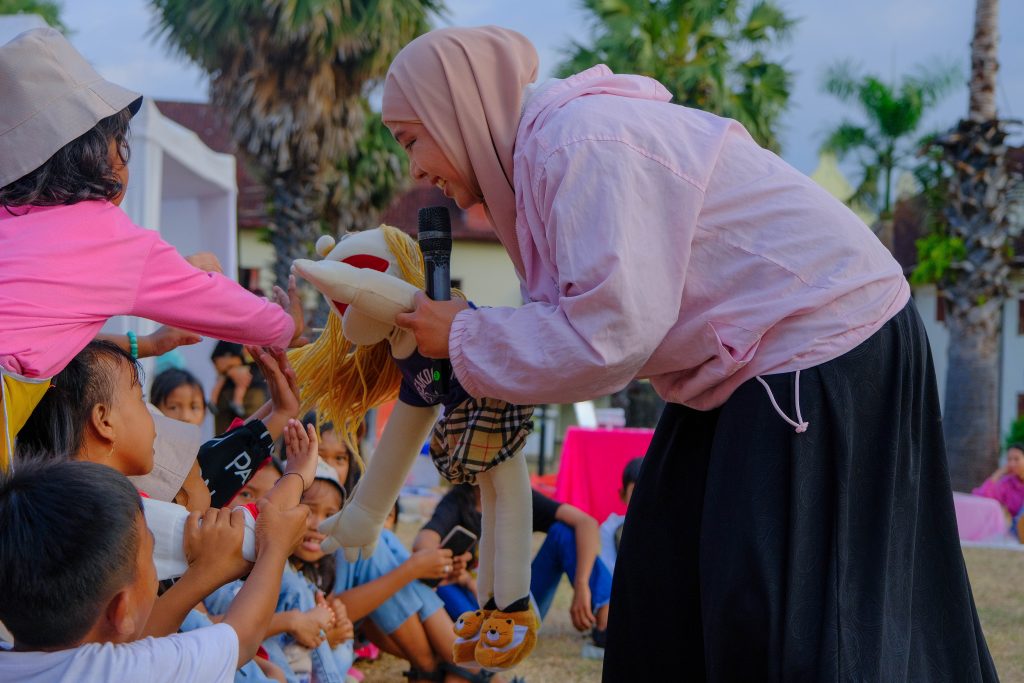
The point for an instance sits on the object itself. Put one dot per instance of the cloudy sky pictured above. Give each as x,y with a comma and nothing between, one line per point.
886,37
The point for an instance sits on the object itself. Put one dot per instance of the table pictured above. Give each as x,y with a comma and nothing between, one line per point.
978,518
590,472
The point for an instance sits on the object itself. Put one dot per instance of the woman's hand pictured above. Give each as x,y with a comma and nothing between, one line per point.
1000,473
431,324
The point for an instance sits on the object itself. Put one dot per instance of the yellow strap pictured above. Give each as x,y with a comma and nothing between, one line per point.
19,396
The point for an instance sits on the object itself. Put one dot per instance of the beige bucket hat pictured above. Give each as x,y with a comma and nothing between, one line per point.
174,451
50,96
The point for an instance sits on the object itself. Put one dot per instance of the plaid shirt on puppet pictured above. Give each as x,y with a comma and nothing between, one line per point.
477,435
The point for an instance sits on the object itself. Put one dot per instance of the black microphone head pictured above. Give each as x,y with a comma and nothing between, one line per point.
435,230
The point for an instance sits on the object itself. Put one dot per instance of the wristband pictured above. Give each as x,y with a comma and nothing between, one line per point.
133,344
301,478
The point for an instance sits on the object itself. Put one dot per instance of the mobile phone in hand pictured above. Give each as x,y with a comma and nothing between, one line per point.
459,540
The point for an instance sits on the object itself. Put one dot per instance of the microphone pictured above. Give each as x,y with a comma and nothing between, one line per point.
435,239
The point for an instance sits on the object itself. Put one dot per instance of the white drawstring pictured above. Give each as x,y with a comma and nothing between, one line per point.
800,425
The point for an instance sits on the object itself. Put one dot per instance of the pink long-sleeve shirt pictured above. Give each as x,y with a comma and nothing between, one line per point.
64,270
1009,491
661,241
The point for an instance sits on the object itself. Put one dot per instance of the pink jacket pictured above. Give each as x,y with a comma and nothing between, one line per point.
64,270
1009,491
660,241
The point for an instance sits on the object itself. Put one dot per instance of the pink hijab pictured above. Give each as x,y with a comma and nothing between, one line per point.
465,85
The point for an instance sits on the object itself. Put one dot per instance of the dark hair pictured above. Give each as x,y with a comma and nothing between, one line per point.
353,467
60,567
169,380
78,172
631,472
397,509
1019,446
56,428
224,348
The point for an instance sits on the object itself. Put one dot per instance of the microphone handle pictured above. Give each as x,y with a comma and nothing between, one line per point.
439,288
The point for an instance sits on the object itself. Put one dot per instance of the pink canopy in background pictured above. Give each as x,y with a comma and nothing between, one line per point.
590,472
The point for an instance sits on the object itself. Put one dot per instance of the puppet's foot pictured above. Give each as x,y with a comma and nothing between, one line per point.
507,638
467,634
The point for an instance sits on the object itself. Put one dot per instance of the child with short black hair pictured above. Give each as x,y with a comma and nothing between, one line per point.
611,528
179,395
77,610
70,258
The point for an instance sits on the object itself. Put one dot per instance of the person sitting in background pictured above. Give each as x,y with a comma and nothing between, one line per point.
239,389
179,395
1006,484
80,608
570,548
611,529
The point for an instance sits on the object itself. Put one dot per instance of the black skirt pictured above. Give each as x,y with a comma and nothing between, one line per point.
753,553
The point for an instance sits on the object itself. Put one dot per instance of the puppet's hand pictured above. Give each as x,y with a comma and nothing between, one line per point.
355,529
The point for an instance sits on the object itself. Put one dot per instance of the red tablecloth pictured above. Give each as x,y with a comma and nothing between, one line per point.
979,519
590,473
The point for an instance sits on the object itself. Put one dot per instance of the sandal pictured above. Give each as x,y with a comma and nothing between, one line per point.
414,674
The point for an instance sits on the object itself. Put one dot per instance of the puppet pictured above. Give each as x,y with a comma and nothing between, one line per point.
362,360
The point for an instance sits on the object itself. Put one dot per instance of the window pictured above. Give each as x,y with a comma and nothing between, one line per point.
1020,316
1020,405
940,307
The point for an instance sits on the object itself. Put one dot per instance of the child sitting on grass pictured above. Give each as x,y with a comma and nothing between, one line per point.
85,584
1006,485
611,528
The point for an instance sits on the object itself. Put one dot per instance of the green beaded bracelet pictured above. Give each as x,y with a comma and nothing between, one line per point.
133,344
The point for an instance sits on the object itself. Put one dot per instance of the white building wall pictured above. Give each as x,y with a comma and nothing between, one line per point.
485,273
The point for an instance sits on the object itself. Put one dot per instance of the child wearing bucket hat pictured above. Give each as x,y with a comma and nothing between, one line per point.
70,258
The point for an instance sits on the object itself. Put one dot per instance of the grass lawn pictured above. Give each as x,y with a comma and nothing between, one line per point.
997,577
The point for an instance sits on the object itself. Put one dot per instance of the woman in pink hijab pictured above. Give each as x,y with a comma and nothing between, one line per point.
793,519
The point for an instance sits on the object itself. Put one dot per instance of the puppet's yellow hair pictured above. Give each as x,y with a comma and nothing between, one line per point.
342,381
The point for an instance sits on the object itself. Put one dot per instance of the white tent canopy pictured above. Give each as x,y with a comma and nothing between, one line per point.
187,192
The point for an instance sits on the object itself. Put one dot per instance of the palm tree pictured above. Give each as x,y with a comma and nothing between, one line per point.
49,10
708,53
976,285
292,77
885,140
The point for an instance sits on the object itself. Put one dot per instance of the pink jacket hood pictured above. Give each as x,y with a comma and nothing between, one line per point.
550,96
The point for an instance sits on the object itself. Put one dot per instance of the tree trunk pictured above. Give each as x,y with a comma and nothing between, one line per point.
295,227
984,61
971,411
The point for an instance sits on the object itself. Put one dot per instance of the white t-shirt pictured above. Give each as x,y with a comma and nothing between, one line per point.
206,655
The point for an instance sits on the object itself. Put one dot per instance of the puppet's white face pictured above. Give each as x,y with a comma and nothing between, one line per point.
367,316
366,249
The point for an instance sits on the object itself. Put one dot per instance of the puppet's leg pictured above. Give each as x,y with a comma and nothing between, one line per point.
510,633
358,525
467,626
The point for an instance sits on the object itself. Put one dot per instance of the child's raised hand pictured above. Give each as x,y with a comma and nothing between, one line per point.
213,547
281,382
279,530
291,302
303,450
166,339
206,261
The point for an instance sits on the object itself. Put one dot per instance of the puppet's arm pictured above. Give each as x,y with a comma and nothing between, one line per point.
358,525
